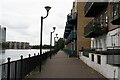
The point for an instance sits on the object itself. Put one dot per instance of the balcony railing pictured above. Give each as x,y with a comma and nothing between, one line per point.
68,29
69,26
116,13
94,29
72,19
91,9
68,40
66,34
71,37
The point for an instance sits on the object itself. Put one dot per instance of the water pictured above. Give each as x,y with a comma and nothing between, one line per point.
15,54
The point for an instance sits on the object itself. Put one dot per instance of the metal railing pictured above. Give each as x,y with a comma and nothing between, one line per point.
71,37
72,19
17,70
115,10
95,28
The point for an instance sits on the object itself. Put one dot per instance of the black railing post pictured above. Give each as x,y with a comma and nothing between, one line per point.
8,69
50,54
40,63
21,66
35,61
29,64
15,70
34,54
38,59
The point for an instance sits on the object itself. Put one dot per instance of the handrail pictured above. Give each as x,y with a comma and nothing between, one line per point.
20,68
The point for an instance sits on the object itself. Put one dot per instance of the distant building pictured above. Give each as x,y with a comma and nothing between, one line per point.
17,45
73,34
2,34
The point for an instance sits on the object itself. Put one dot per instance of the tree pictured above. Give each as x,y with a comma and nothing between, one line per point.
61,43
4,45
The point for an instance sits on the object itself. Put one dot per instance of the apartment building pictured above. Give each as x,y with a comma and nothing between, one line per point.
104,31
74,30
70,34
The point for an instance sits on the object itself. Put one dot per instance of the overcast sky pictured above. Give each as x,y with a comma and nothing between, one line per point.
22,19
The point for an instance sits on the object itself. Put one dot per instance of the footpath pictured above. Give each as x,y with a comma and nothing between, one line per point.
61,66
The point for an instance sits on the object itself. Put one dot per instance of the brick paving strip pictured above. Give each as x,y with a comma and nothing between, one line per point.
61,66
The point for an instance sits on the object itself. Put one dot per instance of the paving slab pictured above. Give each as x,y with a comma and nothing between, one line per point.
61,66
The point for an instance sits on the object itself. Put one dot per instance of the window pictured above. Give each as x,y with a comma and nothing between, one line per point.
115,9
106,19
101,20
104,43
113,40
92,57
98,59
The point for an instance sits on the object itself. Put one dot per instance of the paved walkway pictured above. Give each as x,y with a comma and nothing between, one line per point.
61,66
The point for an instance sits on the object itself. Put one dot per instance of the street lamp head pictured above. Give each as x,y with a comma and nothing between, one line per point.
54,28
56,34
47,8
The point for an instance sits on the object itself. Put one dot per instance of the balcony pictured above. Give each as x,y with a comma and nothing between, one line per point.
68,40
94,29
72,19
91,9
116,13
72,36
69,26
66,32
68,29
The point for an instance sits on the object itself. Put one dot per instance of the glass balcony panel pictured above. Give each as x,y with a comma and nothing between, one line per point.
92,9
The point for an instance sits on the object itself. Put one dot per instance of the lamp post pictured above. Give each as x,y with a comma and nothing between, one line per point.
54,39
47,9
51,37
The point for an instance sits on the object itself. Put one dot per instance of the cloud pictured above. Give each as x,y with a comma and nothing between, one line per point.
22,18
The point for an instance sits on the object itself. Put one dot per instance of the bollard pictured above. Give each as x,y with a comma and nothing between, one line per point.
8,71
21,66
